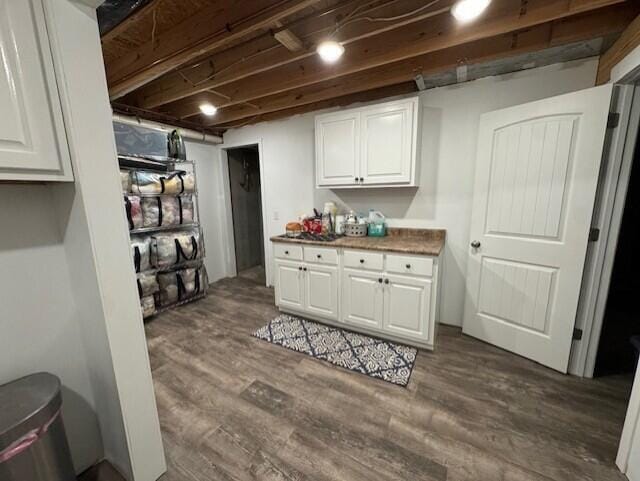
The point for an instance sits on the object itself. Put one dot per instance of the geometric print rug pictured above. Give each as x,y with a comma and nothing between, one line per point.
360,353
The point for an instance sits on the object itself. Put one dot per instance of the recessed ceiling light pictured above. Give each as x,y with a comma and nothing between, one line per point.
330,51
467,10
208,109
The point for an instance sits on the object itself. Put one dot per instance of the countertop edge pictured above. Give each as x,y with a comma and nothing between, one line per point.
336,244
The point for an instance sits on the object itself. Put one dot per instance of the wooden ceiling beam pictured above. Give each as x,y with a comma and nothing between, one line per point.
627,42
262,55
582,27
413,40
366,96
217,26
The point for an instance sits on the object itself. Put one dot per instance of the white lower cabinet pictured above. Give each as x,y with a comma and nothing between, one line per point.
289,285
321,290
362,298
407,303
384,294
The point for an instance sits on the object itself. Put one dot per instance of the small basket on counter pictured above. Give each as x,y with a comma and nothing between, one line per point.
354,229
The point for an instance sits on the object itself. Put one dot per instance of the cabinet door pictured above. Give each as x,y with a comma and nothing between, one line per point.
289,285
337,149
33,145
388,143
407,304
321,291
362,298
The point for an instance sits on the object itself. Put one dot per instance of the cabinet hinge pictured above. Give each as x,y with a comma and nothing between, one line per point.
614,120
577,334
594,234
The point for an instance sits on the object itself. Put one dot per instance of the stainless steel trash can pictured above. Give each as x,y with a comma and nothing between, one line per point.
33,443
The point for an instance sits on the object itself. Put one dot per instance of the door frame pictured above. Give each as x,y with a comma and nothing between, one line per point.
607,217
228,213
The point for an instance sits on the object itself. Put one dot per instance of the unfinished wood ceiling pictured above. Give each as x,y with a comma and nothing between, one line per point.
255,59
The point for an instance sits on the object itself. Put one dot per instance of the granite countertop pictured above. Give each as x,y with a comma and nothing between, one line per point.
427,242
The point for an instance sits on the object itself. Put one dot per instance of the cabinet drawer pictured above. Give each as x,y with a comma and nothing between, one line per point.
287,251
363,260
415,265
321,255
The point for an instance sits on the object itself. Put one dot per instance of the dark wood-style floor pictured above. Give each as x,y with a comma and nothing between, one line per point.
236,408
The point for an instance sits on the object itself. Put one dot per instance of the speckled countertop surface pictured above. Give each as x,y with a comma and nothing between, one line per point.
428,242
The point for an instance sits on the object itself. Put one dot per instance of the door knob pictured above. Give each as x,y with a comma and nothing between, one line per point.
475,244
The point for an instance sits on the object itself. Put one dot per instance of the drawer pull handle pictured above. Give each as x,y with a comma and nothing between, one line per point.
408,266
361,261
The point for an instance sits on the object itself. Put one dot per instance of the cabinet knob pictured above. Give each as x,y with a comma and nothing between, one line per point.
286,253
408,266
300,268
361,261
361,179
356,179
380,280
304,269
319,256
386,281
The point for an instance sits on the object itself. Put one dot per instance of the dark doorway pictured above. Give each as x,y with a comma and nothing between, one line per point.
246,208
616,354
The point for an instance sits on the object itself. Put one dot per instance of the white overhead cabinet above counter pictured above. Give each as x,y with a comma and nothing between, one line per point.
372,146
33,142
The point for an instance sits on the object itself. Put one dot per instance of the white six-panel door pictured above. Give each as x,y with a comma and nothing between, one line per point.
33,144
536,176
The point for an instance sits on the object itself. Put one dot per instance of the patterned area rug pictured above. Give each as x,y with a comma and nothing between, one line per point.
357,352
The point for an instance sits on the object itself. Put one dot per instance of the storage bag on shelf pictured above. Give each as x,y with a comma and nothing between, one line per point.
181,284
147,284
154,183
125,179
177,247
134,211
148,305
141,251
167,211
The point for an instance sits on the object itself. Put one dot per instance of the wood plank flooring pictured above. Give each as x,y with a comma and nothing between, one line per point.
235,408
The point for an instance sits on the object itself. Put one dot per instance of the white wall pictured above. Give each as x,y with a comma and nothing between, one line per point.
40,325
443,200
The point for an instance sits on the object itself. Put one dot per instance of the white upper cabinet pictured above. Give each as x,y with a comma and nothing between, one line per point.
338,148
371,146
33,143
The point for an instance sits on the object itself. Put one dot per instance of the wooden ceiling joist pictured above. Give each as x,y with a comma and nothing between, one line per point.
261,56
416,39
196,36
578,28
629,40
255,59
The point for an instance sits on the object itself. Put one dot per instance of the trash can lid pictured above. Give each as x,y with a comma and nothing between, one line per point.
27,403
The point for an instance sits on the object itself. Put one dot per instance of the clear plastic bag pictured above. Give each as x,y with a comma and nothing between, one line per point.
148,305
177,247
155,183
125,179
166,211
147,284
141,252
181,284
134,211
